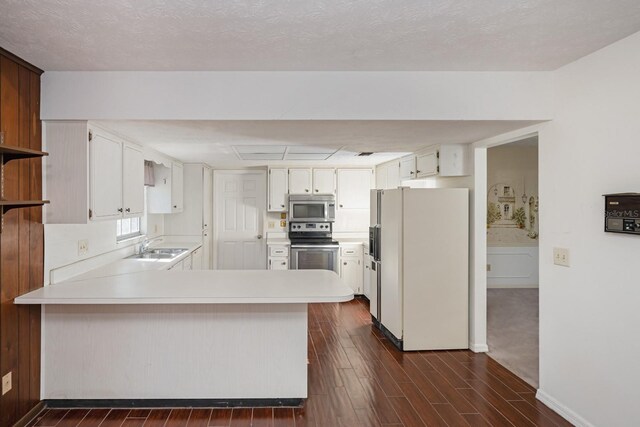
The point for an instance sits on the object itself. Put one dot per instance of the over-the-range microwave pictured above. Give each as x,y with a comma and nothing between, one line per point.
303,208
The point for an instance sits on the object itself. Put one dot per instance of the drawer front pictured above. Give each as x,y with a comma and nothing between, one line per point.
351,251
279,251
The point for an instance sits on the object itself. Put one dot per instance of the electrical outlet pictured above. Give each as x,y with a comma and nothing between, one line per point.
271,224
488,267
83,247
6,384
561,257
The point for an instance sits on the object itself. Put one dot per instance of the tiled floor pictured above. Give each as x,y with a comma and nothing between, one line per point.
357,378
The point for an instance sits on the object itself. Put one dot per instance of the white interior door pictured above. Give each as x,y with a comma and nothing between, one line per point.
240,202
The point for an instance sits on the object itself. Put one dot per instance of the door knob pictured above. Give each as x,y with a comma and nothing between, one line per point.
119,209
128,210
259,236
306,189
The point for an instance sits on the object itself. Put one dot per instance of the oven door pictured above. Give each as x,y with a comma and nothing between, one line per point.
307,211
314,257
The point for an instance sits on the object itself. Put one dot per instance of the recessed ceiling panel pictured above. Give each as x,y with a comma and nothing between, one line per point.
260,148
300,149
307,156
260,156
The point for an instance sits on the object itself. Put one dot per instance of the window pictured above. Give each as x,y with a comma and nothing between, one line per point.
127,228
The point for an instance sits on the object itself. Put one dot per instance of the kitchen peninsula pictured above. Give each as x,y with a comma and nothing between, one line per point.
213,337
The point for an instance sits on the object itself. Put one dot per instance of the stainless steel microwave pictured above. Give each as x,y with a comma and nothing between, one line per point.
312,208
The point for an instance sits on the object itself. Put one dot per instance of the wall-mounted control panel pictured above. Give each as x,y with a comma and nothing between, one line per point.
622,213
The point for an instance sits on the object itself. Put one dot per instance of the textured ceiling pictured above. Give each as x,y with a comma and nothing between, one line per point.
335,35
216,142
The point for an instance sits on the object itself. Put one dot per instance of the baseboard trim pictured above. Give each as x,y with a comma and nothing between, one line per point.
562,410
172,403
31,415
479,348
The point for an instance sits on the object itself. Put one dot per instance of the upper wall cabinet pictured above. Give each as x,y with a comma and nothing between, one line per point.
167,194
407,168
300,181
353,188
443,160
324,181
91,174
278,189
388,175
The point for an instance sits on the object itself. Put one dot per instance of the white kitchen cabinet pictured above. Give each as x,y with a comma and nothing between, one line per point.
90,174
324,181
167,195
106,177
353,188
300,181
278,263
351,266
443,160
407,168
195,218
187,263
196,259
427,164
351,274
177,187
132,181
278,257
278,189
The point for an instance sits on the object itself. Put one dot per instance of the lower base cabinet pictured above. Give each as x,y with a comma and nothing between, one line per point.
351,266
278,257
278,263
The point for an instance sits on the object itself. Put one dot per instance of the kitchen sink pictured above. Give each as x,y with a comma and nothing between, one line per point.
169,251
163,253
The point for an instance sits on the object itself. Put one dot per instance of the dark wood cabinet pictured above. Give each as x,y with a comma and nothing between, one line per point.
22,236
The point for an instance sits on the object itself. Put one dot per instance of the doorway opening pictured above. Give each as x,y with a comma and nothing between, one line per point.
512,257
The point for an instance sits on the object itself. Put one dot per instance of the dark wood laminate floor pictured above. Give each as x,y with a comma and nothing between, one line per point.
357,378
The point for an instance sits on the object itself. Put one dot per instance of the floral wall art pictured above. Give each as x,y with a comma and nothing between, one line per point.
512,196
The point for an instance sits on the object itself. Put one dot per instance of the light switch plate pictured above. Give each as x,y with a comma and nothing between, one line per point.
6,384
561,257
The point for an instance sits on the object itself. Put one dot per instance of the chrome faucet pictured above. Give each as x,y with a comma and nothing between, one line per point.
144,246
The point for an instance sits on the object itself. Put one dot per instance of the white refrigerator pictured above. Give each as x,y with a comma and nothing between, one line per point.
421,282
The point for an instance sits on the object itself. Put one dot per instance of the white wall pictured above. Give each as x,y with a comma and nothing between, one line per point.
297,95
589,313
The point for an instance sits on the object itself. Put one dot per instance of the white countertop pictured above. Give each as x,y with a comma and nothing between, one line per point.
197,287
133,265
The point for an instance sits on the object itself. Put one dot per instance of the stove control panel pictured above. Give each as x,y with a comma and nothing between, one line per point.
310,226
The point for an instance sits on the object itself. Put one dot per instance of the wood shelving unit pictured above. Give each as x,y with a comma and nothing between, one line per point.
7,154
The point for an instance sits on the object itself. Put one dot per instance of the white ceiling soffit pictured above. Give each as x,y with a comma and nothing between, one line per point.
323,35
241,143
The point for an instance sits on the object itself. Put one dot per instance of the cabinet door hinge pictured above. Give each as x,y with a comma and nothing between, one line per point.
438,168
437,154
90,214
90,136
